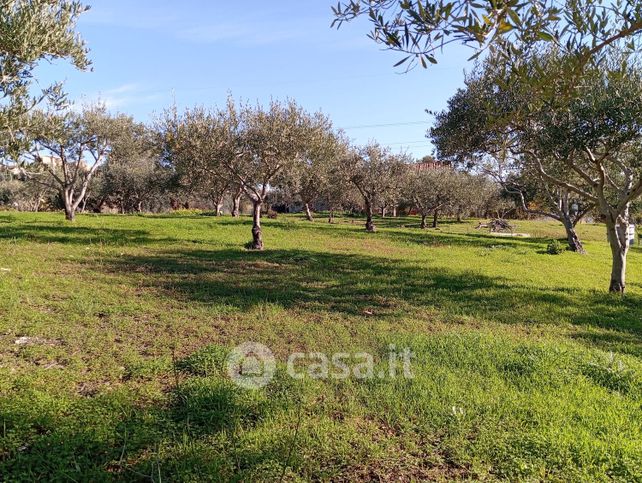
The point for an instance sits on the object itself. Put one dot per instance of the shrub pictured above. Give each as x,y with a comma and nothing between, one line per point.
554,247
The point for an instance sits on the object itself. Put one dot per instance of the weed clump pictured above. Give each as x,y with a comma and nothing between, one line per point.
554,247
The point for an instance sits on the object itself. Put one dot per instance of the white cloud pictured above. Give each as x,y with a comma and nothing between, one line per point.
247,30
120,97
131,87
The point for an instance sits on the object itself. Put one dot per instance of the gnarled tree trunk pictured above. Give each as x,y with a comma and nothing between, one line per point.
218,200
618,240
423,222
257,236
435,218
618,271
70,215
370,227
308,212
574,243
68,200
236,203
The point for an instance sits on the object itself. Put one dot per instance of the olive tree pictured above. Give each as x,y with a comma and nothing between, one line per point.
375,172
479,128
431,190
268,144
24,194
582,29
131,176
596,136
585,142
315,178
338,193
536,196
472,193
32,31
393,196
68,147
490,199
195,145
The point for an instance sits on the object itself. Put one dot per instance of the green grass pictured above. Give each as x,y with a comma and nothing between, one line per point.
525,368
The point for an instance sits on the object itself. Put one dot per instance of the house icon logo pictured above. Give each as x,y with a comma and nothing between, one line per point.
251,365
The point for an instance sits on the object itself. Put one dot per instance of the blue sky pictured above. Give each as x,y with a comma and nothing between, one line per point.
147,53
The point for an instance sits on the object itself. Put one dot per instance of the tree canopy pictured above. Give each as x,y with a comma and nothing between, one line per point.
32,31
586,143
421,29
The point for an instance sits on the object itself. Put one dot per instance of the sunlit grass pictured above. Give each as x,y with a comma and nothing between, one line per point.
524,366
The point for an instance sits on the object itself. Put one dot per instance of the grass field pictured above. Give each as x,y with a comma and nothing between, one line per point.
113,333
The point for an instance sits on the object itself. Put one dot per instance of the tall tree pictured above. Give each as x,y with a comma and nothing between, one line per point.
374,171
586,142
195,146
479,127
269,144
69,147
431,190
419,29
32,31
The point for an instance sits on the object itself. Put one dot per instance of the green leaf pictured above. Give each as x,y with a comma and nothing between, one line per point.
401,61
546,36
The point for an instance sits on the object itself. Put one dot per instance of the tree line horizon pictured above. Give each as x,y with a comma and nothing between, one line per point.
552,110
279,151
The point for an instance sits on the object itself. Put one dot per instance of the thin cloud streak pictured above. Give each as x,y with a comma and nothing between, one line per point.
120,97
249,31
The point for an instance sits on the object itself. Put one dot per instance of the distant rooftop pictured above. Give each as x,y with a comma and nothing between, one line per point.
427,163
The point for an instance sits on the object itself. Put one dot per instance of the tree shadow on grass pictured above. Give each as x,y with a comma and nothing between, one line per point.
76,235
124,442
407,230
107,437
407,234
430,237
352,284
